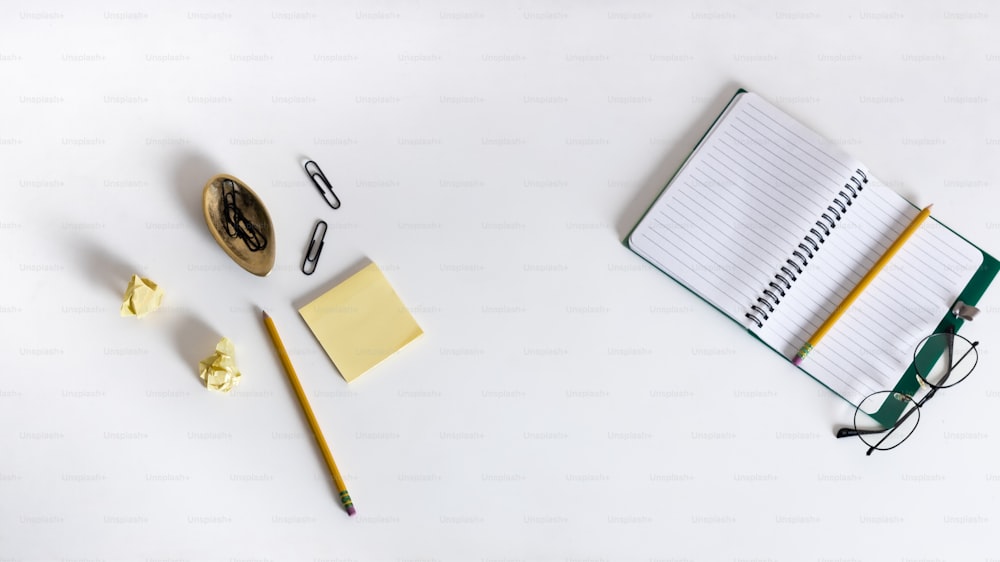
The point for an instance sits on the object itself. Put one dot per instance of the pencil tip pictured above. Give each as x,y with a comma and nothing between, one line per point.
264,312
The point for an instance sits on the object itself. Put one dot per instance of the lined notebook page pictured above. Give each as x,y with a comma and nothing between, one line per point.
741,204
872,344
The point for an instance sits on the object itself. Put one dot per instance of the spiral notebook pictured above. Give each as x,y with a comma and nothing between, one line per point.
773,225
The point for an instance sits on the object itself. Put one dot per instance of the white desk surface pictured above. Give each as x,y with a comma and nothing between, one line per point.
567,402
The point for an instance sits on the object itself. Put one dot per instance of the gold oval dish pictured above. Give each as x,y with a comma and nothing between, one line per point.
239,222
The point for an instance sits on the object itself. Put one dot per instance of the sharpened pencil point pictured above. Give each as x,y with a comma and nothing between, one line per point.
264,313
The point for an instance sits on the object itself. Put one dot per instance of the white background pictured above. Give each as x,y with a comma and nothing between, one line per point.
567,402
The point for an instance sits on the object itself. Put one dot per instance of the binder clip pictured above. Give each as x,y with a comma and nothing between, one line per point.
965,311
322,184
315,241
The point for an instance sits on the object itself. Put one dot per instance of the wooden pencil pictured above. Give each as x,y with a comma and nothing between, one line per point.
313,424
861,286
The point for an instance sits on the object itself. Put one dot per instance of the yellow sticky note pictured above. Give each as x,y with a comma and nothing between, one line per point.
360,322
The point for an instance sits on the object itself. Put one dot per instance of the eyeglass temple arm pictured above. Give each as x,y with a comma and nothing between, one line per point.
853,432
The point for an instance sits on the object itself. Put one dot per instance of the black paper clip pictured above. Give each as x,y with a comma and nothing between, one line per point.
314,242
326,190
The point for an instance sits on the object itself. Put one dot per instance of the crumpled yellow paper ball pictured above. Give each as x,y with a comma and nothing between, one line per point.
219,369
142,296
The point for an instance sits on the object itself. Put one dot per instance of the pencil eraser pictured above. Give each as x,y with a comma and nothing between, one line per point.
351,510
797,360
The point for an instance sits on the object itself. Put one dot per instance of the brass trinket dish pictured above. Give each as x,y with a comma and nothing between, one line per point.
240,223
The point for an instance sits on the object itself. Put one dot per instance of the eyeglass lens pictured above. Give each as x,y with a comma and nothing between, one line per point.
884,438
943,360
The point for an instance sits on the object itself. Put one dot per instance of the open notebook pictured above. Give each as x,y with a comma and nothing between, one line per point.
774,225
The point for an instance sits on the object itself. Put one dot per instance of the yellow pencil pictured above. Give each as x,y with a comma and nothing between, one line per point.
337,479
861,286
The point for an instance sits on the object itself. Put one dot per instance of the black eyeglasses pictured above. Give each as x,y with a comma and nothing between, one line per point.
940,361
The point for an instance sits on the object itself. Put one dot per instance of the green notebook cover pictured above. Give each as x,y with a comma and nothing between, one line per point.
908,383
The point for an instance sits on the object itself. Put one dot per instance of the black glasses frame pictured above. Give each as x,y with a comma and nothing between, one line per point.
917,404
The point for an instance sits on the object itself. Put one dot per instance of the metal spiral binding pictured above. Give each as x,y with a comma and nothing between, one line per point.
794,266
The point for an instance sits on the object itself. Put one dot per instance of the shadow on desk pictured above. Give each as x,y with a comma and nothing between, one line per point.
109,271
194,340
191,171
672,160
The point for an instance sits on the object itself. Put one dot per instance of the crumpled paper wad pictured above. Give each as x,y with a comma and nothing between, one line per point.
219,370
142,296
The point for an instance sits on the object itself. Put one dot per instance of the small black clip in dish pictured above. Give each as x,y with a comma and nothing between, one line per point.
316,241
322,184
